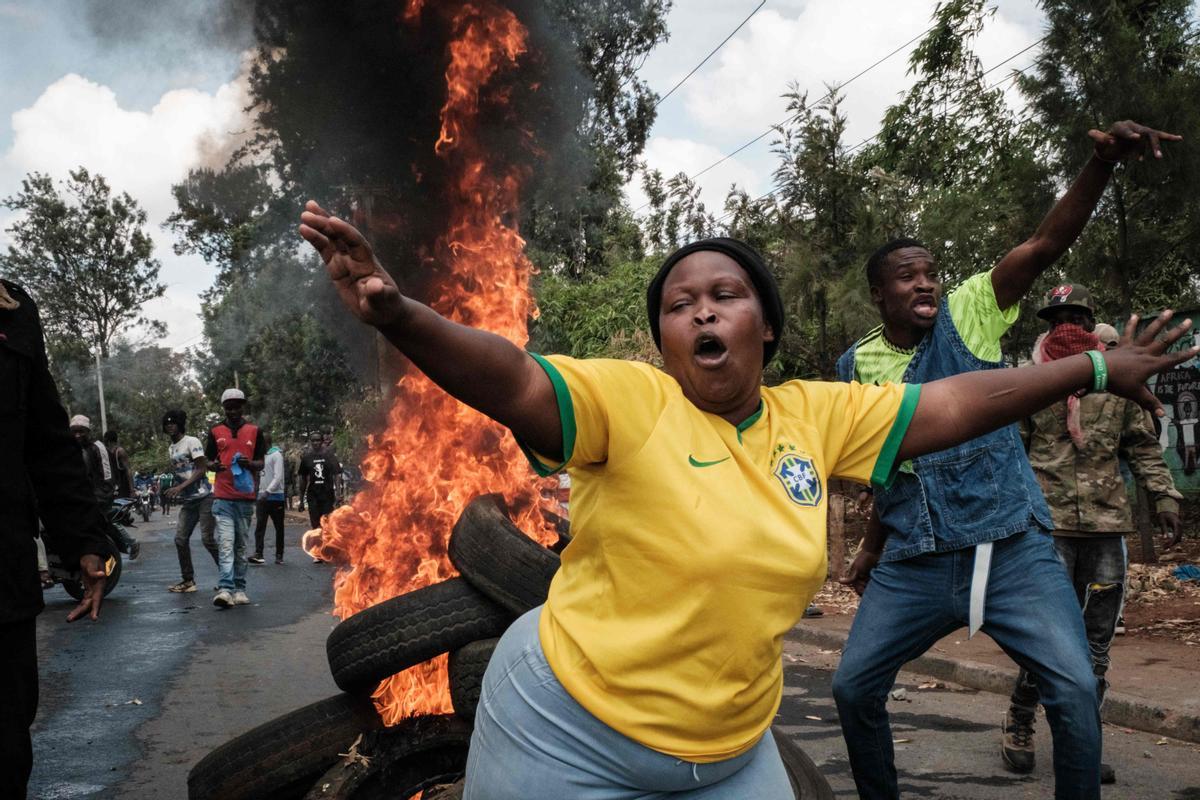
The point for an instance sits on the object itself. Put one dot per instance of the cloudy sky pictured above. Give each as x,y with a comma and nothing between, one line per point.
127,89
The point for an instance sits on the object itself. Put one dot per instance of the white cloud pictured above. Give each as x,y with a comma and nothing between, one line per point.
670,156
737,94
78,122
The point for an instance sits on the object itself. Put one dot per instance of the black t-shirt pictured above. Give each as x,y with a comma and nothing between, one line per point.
321,468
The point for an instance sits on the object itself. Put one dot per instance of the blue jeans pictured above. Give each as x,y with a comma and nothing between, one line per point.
532,741
233,528
1031,612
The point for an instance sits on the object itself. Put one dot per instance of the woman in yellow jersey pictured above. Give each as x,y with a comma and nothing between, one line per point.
698,513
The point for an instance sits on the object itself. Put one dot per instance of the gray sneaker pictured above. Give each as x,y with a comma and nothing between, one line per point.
223,599
183,587
240,599
1017,748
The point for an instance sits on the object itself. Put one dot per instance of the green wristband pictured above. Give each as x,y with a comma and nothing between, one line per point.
1099,371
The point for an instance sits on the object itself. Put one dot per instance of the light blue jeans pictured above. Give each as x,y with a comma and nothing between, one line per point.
532,741
1030,611
233,528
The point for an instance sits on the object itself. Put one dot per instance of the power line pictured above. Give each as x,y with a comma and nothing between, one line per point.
829,94
869,139
710,55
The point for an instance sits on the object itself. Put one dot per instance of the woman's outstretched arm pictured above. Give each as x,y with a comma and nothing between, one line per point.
485,371
959,408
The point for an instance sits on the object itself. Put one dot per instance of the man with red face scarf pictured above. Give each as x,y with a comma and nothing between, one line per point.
1074,448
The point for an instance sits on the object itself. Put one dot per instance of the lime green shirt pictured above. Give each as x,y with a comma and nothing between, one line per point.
697,544
979,320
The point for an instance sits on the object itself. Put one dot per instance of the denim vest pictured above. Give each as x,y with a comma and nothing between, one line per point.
976,492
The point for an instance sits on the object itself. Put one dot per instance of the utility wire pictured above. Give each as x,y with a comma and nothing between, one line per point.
869,139
710,55
769,130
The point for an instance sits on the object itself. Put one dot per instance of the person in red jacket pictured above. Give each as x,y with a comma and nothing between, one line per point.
236,449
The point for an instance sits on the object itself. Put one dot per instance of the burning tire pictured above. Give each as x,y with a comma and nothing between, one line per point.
467,665
280,759
407,630
807,781
397,763
498,559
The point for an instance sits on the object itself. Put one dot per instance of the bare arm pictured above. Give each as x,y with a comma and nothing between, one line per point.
869,550
483,370
962,407
1015,274
199,468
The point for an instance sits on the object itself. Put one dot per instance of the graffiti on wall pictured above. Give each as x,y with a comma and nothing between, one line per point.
1179,392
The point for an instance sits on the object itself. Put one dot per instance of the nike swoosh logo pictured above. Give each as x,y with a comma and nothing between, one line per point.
692,460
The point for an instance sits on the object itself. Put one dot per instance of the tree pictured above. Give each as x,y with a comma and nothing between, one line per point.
82,253
140,384
967,167
224,216
1126,59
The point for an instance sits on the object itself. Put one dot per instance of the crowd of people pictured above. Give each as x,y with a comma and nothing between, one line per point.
212,489
699,508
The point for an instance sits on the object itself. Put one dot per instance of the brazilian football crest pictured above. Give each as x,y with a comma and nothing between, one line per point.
799,478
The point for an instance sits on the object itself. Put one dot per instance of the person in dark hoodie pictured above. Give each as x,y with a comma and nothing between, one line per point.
41,474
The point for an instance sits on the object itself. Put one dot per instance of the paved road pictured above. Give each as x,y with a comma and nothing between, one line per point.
947,742
130,703
203,675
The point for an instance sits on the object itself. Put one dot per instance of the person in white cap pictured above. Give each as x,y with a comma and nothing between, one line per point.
102,471
236,449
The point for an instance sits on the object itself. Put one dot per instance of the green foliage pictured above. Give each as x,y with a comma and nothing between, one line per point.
1127,59
221,215
601,316
140,385
84,256
574,215
265,328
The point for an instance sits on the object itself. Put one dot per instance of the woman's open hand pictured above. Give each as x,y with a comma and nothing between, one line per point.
1131,364
362,283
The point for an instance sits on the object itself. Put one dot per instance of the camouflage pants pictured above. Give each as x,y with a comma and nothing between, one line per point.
1096,568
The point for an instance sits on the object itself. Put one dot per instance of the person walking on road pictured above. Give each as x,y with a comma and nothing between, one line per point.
961,538
101,469
122,472
270,503
191,490
1075,447
41,475
235,449
318,472
698,514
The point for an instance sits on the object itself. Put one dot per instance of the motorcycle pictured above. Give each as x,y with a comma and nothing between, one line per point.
145,503
68,576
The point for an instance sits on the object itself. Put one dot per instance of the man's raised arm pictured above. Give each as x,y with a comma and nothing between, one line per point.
1015,274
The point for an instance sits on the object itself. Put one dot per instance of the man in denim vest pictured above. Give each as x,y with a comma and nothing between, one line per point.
960,537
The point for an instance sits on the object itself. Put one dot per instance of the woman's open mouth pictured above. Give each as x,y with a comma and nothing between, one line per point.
709,351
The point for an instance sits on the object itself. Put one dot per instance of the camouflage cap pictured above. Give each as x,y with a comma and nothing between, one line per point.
1066,295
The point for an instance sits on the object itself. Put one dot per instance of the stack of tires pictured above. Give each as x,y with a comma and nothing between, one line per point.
338,748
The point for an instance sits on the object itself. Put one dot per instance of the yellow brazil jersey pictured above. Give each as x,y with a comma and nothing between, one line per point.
697,544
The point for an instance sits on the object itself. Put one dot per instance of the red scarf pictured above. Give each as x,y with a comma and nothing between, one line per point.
1062,341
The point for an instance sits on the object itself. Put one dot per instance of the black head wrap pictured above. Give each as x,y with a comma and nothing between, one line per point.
748,259
176,416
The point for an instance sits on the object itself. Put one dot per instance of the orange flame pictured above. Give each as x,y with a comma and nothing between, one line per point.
436,454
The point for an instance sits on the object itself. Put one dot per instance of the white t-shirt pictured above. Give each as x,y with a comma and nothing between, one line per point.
183,459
